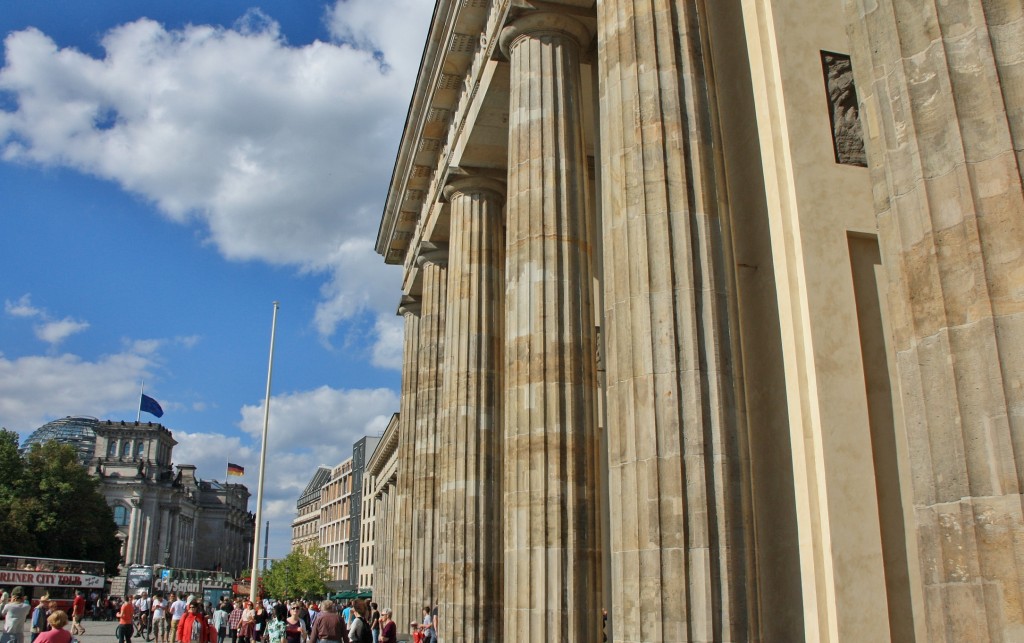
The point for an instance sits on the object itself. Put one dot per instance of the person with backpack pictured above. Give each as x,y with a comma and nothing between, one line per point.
360,631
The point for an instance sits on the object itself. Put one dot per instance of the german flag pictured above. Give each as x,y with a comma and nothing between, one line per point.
235,469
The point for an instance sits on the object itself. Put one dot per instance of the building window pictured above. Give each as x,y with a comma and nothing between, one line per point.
112,449
140,449
121,515
126,449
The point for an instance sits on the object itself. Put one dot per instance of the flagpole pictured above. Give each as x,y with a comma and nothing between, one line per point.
142,391
255,573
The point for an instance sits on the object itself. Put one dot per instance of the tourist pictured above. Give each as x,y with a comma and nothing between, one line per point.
77,613
295,628
247,624
260,620
388,629
193,627
39,616
328,626
56,633
159,612
178,609
427,627
346,614
359,632
124,620
277,626
15,611
234,618
220,621
374,622
142,606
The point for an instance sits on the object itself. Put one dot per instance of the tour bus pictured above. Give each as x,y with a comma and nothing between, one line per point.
211,585
59,578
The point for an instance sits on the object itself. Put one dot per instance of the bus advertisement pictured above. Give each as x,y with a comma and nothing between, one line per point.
139,578
55,577
199,582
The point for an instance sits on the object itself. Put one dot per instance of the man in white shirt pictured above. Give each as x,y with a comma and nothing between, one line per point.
142,605
159,613
178,608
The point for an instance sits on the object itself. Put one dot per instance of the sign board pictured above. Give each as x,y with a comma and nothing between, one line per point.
50,579
139,579
179,586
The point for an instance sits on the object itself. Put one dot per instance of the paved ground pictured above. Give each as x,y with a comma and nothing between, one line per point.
99,632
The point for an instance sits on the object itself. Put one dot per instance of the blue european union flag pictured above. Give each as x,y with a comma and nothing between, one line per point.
151,406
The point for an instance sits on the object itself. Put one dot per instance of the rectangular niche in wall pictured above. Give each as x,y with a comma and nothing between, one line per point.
847,136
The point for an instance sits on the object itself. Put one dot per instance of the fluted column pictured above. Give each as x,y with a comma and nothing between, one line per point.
381,548
942,92
401,572
434,273
678,571
132,548
470,550
552,538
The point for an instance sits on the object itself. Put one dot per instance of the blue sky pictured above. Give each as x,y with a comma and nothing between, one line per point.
167,171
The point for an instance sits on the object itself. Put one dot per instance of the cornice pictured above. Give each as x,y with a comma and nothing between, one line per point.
386,448
453,47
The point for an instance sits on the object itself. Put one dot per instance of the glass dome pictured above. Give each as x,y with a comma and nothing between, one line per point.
79,432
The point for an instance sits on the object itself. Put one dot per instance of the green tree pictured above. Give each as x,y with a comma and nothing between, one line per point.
50,506
15,535
300,574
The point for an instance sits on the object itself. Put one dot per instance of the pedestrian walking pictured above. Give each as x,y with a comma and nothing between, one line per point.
56,633
78,613
125,617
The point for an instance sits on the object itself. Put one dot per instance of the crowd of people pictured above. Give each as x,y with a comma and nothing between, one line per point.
47,625
188,619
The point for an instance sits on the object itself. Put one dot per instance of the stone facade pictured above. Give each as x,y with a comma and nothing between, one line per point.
335,525
167,517
695,363
306,524
377,530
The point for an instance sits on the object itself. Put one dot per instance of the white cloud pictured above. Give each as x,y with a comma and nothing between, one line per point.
22,308
387,352
281,153
324,420
345,294
36,389
55,332
52,331
396,29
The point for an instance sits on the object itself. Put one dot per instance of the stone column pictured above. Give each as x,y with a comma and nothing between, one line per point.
381,548
434,275
678,571
942,93
470,550
132,548
401,572
552,539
